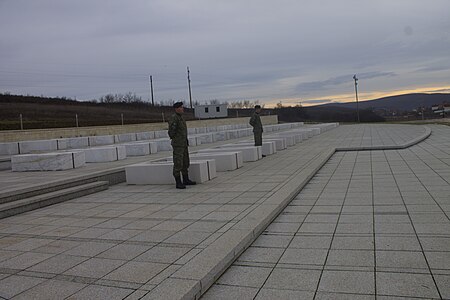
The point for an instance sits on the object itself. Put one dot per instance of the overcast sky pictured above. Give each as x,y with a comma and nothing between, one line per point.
271,51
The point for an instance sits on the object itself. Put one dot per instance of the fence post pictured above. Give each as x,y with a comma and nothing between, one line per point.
76,119
163,117
21,122
121,116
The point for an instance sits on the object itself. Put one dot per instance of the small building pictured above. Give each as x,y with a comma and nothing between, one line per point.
209,111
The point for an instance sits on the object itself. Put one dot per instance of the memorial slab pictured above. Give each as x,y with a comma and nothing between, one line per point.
37,146
56,161
105,154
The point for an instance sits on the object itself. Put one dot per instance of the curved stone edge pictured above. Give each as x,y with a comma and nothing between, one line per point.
412,142
193,279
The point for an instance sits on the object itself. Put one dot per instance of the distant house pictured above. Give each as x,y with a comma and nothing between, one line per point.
209,111
441,109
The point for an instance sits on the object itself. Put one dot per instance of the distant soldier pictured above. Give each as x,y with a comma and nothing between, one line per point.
178,135
255,122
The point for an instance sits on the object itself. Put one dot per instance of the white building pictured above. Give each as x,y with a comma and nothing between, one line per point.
209,111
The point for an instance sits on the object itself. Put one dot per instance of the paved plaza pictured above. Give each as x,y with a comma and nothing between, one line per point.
305,223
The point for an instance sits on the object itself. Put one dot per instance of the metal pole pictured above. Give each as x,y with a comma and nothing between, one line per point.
76,119
189,85
151,90
21,122
121,116
356,92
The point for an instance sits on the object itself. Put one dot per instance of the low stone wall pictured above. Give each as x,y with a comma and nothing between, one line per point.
53,133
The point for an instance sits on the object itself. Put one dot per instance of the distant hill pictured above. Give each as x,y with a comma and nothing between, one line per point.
405,102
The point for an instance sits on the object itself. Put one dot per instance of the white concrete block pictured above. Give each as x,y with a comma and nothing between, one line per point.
194,141
162,173
249,153
161,134
48,161
225,161
200,130
140,148
72,143
205,138
101,140
290,140
9,148
105,154
280,142
124,138
37,146
191,131
164,144
220,136
232,134
142,136
268,147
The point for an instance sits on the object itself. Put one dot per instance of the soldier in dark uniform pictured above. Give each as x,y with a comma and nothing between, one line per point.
178,135
255,122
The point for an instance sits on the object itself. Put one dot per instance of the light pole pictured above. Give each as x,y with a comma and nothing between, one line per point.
189,85
356,92
151,89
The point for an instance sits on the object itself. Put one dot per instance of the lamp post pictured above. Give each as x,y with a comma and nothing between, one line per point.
356,93
189,85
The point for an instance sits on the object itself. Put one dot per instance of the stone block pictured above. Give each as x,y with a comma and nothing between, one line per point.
161,134
105,154
225,161
206,138
162,172
200,130
231,134
194,141
124,138
9,148
220,136
37,146
280,143
101,140
268,147
163,144
142,136
249,153
48,161
289,139
140,148
72,143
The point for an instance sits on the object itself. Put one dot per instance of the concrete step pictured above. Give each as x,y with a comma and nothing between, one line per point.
23,205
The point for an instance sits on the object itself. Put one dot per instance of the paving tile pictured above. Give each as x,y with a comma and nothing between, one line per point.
406,285
138,272
353,242
439,260
347,282
260,254
124,251
89,249
25,260
311,242
443,283
355,258
51,289
95,267
13,285
405,243
223,292
155,236
342,296
57,247
272,240
304,256
401,259
163,254
57,264
186,237
270,294
245,276
294,279
95,292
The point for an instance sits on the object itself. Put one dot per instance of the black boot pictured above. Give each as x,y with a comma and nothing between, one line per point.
187,181
179,184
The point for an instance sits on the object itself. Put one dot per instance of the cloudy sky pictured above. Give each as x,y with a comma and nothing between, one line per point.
287,50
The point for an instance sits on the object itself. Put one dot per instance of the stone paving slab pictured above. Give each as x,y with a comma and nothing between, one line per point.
365,249
202,229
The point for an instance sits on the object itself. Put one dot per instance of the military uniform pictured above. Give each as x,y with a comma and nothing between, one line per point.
255,122
178,135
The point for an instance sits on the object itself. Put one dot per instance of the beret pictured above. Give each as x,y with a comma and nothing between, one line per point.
177,104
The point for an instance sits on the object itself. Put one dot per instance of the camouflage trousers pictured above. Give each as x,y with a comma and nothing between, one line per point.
180,161
258,138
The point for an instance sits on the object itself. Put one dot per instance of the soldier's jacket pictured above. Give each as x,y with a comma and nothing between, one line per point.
255,122
178,131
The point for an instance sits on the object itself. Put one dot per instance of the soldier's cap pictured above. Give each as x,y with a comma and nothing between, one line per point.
257,106
178,104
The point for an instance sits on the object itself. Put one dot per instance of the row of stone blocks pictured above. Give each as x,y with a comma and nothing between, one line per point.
226,157
104,154
197,137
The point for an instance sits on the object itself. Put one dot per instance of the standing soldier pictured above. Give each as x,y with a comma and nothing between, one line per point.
178,135
255,122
